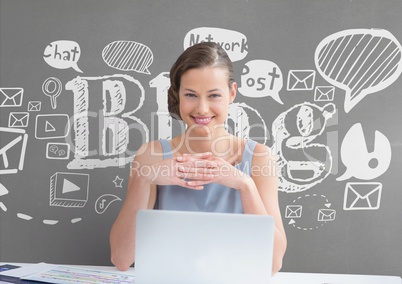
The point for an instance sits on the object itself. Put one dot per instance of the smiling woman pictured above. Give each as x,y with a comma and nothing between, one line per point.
204,99
205,168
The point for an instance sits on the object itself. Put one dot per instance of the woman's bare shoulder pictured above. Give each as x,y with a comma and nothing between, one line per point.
263,153
262,149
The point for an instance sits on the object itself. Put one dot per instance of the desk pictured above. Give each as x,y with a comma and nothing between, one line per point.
289,277
317,278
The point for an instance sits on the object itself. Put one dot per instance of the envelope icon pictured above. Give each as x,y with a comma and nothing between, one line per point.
293,211
34,106
324,93
325,215
18,119
362,196
11,97
299,80
15,141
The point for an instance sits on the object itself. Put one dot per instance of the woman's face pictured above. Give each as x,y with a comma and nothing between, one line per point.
204,99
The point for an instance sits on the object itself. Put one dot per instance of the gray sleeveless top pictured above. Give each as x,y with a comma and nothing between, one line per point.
213,198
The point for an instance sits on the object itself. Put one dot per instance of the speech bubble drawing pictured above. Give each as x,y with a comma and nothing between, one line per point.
360,162
234,43
58,151
359,61
53,149
261,78
128,56
63,54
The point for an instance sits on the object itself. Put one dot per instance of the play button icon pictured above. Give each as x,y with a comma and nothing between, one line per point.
68,186
69,189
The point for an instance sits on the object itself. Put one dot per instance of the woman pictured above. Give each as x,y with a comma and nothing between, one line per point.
205,168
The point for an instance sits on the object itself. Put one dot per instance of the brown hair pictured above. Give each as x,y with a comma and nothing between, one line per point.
200,55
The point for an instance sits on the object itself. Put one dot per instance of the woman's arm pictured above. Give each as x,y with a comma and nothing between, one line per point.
259,195
148,169
140,195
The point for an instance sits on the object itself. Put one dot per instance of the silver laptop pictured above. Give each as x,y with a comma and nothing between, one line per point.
174,247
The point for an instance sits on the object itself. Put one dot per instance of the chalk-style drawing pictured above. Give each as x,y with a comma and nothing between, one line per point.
325,215
324,93
302,163
52,88
76,220
317,212
24,216
122,96
50,126
361,162
118,181
103,202
240,114
34,105
362,196
359,61
57,151
50,222
15,139
301,80
69,189
233,42
3,206
3,190
18,119
11,97
128,56
162,84
63,54
293,211
261,78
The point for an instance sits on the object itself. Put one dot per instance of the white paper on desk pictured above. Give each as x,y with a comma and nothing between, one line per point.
27,270
73,275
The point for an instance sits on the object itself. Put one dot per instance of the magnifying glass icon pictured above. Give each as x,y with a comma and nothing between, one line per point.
52,88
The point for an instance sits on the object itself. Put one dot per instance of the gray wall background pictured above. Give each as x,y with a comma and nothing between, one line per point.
286,33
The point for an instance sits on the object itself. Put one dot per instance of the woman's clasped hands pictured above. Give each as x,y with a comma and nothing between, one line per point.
195,170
